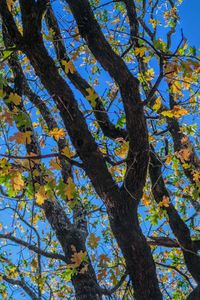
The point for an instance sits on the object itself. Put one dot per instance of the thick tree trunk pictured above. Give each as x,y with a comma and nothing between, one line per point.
137,253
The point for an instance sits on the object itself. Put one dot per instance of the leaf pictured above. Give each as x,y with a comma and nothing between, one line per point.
77,259
176,112
69,66
93,240
157,104
92,96
146,59
146,200
22,137
57,133
67,152
55,164
184,154
123,150
17,181
70,189
196,175
50,35
41,195
153,22
14,98
116,21
165,202
149,74
140,51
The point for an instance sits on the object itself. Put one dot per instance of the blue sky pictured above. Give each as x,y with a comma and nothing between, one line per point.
190,20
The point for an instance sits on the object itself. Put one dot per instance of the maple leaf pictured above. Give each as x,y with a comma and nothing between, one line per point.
41,195
149,74
55,164
123,150
77,258
57,133
12,272
146,59
157,104
14,98
153,22
165,202
176,112
70,189
184,154
67,152
103,259
17,181
22,137
140,51
146,200
92,96
93,240
102,273
168,159
184,140
69,66
196,175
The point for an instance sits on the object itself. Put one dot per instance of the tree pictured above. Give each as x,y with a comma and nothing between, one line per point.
99,158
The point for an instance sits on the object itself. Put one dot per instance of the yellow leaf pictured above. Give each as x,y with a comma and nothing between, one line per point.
149,74
92,96
50,35
34,264
67,152
184,154
14,98
196,176
57,133
17,181
146,59
117,20
10,4
55,164
41,195
168,159
22,137
2,94
12,272
69,66
123,150
70,189
140,51
153,23
176,112
93,240
157,104
77,259
164,202
146,200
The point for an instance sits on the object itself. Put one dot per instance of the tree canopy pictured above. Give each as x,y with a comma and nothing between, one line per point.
99,167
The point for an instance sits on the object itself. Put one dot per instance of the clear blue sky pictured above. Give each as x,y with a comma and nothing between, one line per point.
190,21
